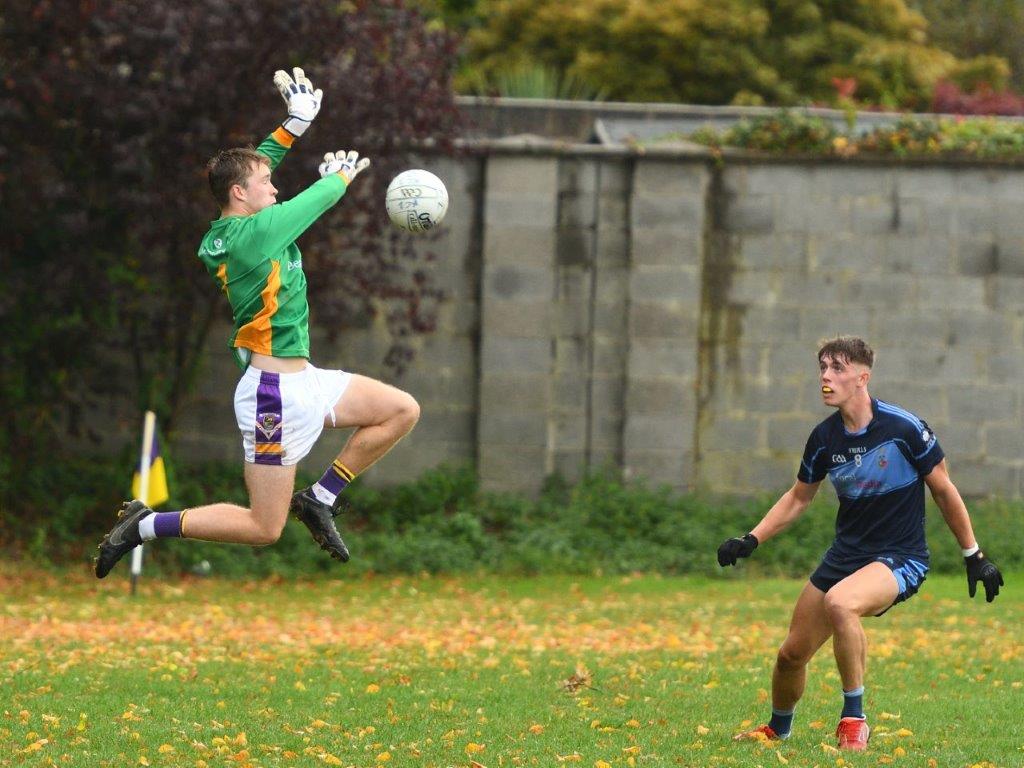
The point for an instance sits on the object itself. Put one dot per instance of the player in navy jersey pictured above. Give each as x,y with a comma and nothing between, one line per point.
879,457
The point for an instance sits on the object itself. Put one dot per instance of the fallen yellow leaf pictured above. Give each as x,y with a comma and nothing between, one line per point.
373,688
163,749
473,748
35,746
536,728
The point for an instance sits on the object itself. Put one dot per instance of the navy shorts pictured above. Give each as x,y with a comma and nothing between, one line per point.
909,571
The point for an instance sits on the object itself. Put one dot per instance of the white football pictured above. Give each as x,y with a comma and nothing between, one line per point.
416,200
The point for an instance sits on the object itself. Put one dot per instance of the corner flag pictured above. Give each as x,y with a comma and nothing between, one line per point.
149,484
156,491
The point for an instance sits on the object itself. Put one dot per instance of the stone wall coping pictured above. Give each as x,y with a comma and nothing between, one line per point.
530,144
661,109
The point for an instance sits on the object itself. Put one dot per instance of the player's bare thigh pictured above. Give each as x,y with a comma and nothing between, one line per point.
865,592
367,401
270,492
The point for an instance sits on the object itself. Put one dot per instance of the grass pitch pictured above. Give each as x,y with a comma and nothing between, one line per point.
436,672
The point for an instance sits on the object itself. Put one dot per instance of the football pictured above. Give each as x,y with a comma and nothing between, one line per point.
416,201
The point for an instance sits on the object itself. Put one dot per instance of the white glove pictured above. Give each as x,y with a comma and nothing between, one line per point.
303,102
348,164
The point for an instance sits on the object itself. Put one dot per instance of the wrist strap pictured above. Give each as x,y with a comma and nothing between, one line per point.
971,550
295,126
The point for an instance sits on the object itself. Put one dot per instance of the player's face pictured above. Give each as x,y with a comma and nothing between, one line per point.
840,379
259,192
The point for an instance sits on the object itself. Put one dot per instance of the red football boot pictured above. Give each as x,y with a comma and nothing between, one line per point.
853,733
761,733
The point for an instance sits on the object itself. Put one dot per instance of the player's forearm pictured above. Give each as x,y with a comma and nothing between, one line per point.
780,516
954,512
281,224
276,146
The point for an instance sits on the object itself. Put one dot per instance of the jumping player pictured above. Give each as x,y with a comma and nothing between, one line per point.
282,402
879,457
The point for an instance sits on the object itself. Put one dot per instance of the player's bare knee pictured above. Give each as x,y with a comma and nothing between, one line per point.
266,535
792,658
837,607
408,413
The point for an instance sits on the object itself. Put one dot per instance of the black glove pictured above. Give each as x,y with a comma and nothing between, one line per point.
980,569
733,549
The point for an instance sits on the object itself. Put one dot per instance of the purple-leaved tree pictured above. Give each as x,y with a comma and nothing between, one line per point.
108,114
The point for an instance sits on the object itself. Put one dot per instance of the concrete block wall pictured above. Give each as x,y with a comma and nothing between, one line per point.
915,259
659,313
669,212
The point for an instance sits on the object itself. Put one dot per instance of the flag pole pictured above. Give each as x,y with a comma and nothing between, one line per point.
148,428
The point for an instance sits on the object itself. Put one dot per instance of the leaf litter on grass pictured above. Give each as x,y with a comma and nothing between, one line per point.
451,672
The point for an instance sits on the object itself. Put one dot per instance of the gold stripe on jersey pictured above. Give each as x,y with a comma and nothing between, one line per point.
282,137
222,275
258,335
268,448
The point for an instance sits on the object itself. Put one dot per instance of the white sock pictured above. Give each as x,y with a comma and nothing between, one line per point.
146,529
324,495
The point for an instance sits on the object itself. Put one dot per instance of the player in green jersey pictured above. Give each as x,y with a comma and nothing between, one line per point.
282,402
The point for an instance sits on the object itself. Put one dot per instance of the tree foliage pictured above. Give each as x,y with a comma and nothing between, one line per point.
970,28
108,113
732,51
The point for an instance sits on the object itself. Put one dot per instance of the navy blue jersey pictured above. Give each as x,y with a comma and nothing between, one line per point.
878,474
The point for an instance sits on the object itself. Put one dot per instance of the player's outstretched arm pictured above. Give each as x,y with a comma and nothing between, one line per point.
954,512
783,512
282,223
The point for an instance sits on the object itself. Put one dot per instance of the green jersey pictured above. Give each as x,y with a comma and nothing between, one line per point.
255,261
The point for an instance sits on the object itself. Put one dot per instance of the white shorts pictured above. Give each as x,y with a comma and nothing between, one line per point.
281,415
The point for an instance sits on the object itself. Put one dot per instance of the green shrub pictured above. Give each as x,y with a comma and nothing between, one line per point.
790,132
443,522
794,133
